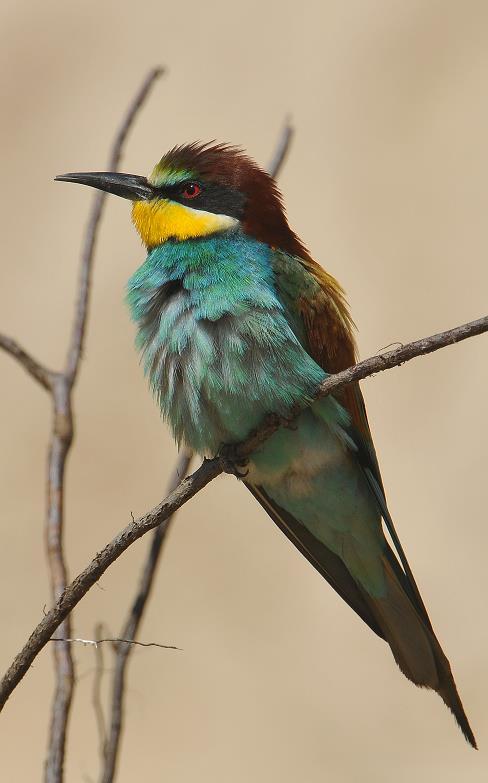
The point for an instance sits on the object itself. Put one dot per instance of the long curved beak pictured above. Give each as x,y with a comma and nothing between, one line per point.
126,185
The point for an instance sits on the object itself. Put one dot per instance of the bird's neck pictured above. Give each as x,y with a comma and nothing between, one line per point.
218,275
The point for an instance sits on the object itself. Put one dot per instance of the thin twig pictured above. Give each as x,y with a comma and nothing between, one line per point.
282,149
116,641
190,486
97,687
61,440
35,369
131,627
60,386
139,603
90,575
75,351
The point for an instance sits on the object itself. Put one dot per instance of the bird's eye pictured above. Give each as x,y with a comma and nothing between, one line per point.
191,190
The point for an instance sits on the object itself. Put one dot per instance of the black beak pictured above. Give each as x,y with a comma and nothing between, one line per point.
126,185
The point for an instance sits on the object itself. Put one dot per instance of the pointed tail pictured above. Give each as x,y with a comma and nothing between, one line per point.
408,631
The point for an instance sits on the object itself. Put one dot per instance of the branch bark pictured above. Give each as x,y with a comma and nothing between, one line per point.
61,440
131,627
75,350
60,385
282,149
35,369
190,486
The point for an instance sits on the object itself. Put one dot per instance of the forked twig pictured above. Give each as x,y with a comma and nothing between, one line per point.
35,369
60,385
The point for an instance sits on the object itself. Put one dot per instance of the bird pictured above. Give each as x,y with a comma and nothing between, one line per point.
235,321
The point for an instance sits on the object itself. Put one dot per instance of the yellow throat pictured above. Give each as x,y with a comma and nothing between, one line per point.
161,219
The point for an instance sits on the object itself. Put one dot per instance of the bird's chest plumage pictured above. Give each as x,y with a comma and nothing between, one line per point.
215,340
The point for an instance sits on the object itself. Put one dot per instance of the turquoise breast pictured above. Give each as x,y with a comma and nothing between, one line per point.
215,341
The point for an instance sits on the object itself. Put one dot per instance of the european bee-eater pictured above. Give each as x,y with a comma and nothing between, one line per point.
235,321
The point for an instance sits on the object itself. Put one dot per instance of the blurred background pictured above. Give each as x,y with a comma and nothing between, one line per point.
387,184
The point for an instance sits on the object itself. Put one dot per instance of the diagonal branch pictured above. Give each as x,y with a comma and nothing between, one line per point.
35,369
190,486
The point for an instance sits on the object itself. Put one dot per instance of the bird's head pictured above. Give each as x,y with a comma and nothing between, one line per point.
197,190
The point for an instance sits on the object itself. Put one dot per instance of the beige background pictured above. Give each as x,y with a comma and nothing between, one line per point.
278,681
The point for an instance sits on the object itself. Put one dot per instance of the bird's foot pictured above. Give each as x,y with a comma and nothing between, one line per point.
289,422
231,462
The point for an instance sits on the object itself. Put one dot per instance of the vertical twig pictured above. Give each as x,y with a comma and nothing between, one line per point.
131,626
61,439
75,351
97,691
282,148
136,612
60,442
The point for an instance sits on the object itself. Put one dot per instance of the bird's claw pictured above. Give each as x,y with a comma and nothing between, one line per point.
289,423
232,463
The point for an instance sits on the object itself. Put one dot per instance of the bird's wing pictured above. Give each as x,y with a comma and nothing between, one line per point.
320,317
328,564
318,302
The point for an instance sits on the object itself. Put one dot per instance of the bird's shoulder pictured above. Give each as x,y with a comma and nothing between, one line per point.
318,301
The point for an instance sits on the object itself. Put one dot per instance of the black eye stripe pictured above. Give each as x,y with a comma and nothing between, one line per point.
215,198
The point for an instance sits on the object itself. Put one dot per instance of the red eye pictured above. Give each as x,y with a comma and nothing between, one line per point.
191,190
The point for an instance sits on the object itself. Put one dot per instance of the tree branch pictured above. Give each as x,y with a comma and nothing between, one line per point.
131,628
116,642
97,689
61,440
75,351
282,149
35,369
60,386
190,486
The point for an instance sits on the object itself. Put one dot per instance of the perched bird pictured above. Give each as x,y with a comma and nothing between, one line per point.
235,321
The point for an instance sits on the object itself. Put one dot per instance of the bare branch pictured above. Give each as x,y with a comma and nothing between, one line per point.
282,149
116,642
131,627
97,687
60,385
61,439
371,366
60,442
190,486
79,326
92,573
35,369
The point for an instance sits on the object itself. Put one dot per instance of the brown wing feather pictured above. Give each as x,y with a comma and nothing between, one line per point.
330,332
